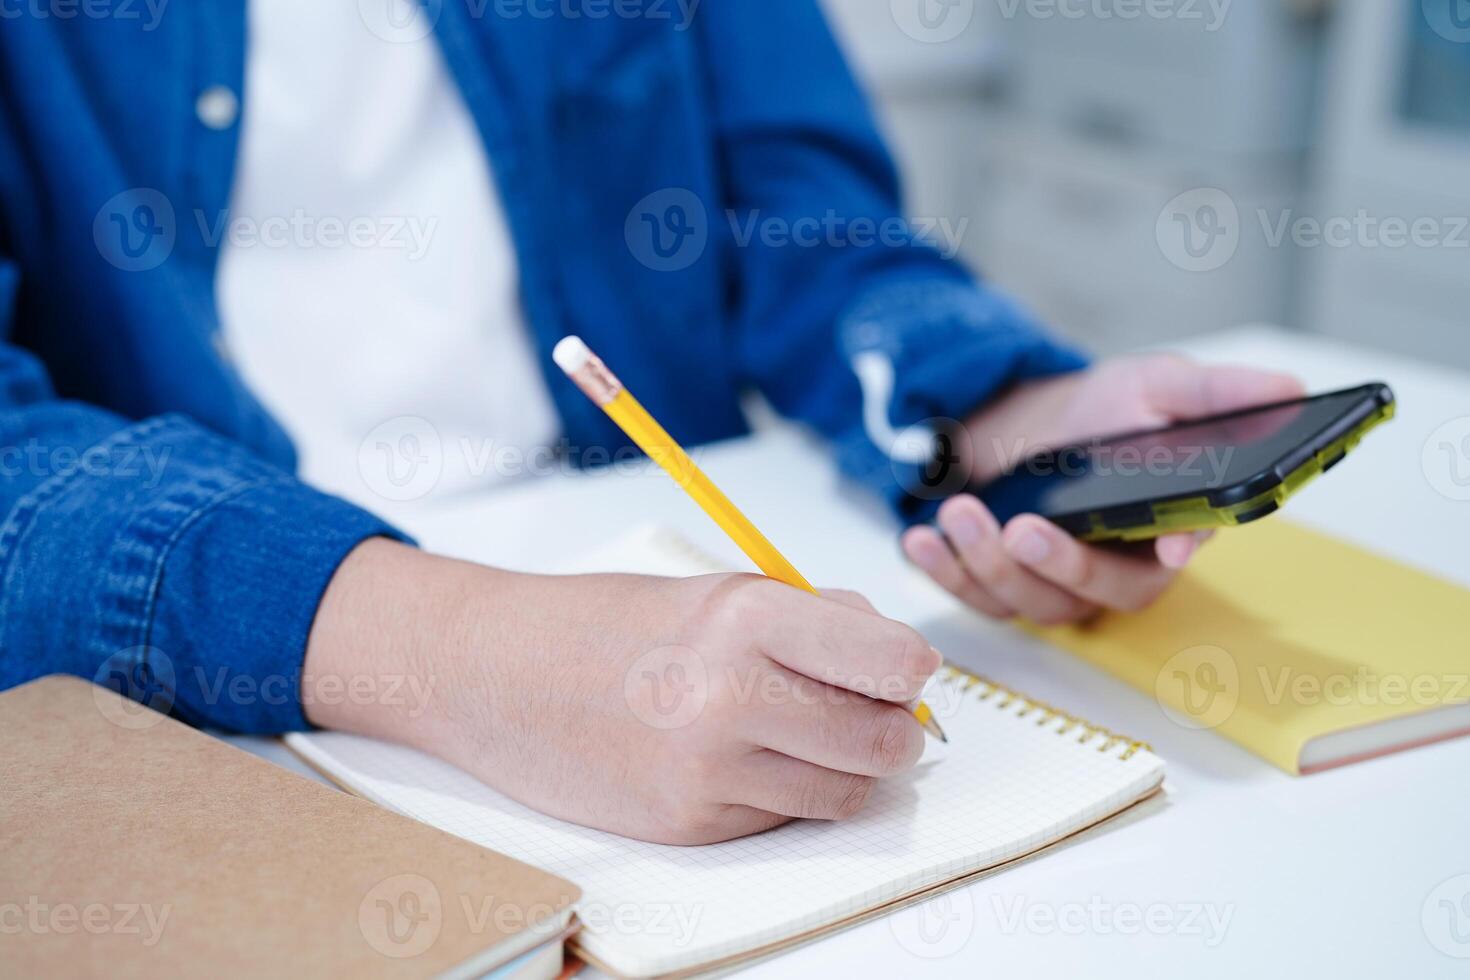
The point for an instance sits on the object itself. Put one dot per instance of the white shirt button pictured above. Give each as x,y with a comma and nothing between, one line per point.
217,107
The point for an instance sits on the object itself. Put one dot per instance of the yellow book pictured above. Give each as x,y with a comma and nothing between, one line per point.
1305,650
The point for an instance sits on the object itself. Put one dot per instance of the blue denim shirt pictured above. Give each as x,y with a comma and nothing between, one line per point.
699,191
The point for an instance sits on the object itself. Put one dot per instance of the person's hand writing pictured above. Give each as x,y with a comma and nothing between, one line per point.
681,711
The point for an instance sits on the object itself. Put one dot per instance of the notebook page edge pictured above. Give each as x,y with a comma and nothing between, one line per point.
727,964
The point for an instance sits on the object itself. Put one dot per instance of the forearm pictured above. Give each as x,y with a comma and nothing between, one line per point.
392,623
435,653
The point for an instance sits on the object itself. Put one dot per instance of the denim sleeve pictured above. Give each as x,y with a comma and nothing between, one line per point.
158,558
930,353
850,317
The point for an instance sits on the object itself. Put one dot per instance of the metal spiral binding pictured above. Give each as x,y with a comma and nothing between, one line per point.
1046,714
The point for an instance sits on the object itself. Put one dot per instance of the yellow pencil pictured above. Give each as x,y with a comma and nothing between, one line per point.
607,392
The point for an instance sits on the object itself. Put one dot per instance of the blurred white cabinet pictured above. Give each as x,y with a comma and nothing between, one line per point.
933,94
1203,79
895,53
1085,153
1119,248
1396,148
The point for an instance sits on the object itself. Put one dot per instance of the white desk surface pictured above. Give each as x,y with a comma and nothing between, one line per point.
1245,868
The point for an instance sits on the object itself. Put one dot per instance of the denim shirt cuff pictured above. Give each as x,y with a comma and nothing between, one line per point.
179,569
952,345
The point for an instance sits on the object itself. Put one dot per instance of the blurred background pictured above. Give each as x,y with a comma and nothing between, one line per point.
1138,170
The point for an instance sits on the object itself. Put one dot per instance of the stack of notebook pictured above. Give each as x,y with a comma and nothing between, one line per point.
259,871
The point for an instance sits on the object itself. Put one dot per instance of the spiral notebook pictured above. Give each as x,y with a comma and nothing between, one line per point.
1016,777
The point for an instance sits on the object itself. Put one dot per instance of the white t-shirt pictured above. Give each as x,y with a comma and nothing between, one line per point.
367,281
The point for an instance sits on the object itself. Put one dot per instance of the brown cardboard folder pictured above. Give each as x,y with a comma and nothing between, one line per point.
132,845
